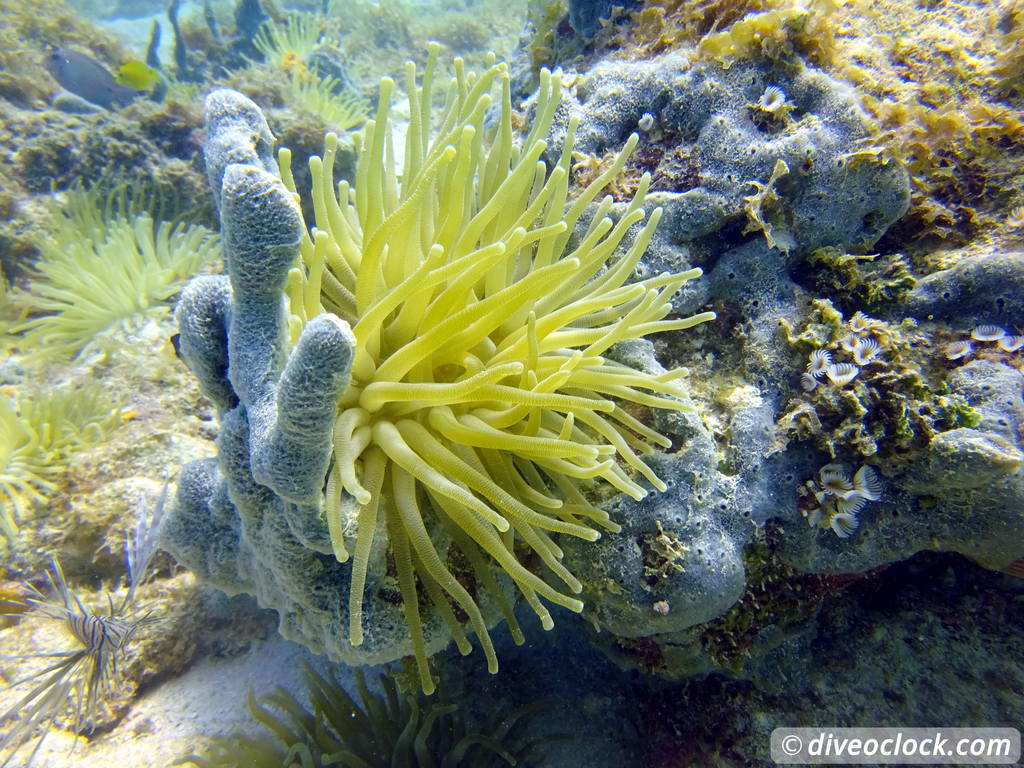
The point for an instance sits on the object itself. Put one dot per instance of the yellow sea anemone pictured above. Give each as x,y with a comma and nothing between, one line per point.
293,65
25,469
481,402
295,37
326,98
38,434
106,265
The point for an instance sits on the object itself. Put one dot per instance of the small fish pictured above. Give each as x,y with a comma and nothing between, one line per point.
85,77
137,75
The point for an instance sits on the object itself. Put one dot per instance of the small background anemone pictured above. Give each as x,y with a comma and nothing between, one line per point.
38,434
290,42
104,265
329,101
372,730
379,37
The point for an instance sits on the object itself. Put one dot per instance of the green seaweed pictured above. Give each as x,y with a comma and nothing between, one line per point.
776,597
870,280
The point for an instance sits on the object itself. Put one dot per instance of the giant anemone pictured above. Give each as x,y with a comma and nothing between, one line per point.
483,400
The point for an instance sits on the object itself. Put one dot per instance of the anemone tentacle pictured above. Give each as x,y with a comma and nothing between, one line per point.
480,402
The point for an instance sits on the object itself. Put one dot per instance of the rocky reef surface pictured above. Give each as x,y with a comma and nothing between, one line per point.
750,191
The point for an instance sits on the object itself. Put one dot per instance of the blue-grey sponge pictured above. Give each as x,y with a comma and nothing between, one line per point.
252,520
290,414
236,132
203,314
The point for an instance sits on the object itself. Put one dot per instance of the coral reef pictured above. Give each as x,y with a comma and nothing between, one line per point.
985,287
896,400
847,176
758,162
935,638
709,154
952,121
378,37
57,150
425,401
49,148
961,494
26,32
152,152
